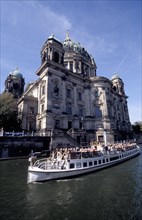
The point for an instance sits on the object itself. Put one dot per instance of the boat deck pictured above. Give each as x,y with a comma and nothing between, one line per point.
78,160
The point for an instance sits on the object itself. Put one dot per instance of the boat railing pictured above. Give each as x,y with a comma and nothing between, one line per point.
81,155
37,162
115,151
58,163
131,147
45,164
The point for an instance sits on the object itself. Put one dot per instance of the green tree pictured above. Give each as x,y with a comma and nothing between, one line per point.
137,127
8,112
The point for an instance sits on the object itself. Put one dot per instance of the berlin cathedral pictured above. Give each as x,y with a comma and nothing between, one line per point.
69,97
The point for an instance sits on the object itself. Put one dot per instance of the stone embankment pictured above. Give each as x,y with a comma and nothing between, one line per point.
22,146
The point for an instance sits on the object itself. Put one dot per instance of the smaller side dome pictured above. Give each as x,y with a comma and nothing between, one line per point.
15,83
16,73
115,76
117,84
52,38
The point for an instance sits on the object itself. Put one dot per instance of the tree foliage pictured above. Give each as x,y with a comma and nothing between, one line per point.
8,112
137,127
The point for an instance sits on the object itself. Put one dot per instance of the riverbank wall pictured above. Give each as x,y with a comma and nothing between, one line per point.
23,145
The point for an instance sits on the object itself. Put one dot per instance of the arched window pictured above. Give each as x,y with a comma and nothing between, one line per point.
114,88
31,125
98,112
56,57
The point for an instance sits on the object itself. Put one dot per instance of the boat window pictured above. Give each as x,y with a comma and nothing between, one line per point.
85,164
103,160
71,165
106,159
114,158
95,162
78,165
100,161
90,163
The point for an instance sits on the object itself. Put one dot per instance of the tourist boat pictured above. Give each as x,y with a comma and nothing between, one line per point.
74,162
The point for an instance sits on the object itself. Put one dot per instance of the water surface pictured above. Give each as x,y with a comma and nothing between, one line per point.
111,194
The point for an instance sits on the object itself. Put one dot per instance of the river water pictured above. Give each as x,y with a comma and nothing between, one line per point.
110,194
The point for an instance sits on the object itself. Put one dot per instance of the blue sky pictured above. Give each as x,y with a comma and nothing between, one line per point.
109,30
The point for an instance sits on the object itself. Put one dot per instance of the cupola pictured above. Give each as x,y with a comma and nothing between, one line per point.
117,84
52,50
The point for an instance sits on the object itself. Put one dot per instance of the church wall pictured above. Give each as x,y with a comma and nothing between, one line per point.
72,96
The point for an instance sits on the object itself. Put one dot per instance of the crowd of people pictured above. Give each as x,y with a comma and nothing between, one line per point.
92,151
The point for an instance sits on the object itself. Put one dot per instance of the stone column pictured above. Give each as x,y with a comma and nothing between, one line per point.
38,96
75,100
87,102
63,94
105,109
48,94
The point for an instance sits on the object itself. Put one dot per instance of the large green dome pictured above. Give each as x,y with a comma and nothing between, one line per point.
71,46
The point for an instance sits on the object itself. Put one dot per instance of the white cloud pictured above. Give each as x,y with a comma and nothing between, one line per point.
34,15
51,21
25,25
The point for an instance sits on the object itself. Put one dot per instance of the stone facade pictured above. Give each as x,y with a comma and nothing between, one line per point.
69,96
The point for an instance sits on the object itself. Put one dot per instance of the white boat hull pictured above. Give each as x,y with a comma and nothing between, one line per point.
36,174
